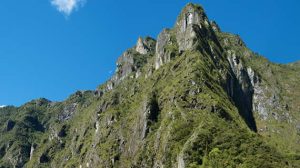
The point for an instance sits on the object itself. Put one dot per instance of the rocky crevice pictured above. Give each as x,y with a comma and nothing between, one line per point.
240,88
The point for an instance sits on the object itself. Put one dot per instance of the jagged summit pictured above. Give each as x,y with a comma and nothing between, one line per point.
192,31
191,14
132,60
195,97
192,24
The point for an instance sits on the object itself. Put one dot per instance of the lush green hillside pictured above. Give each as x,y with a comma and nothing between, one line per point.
195,97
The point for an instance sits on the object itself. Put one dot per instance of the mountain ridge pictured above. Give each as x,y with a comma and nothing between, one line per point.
195,97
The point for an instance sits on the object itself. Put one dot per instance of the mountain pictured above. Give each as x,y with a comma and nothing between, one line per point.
195,97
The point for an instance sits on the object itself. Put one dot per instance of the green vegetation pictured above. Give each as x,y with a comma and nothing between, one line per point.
180,115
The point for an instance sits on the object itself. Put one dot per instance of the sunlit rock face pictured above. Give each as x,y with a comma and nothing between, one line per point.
141,47
162,41
189,25
192,31
191,15
131,61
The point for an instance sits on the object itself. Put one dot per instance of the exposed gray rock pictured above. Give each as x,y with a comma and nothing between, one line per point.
141,47
240,71
125,64
149,116
189,25
252,76
110,85
266,100
268,106
16,155
236,41
191,14
261,99
97,126
188,39
161,57
150,44
215,26
180,161
240,88
138,74
53,134
130,63
33,146
68,112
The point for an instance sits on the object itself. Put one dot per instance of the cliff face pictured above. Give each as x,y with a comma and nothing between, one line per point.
196,97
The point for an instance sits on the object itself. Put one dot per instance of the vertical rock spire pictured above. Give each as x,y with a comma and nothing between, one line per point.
191,25
192,31
191,15
162,41
141,47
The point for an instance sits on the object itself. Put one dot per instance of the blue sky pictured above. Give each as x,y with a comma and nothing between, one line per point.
51,50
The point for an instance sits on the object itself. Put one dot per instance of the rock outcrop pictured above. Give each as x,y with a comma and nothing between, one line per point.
161,57
193,29
132,60
189,25
141,47
241,88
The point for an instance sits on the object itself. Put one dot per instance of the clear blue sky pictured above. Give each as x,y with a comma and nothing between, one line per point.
44,53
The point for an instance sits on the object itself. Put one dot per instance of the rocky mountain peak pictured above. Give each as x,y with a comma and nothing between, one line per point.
193,28
132,60
192,31
191,15
145,45
196,97
141,47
